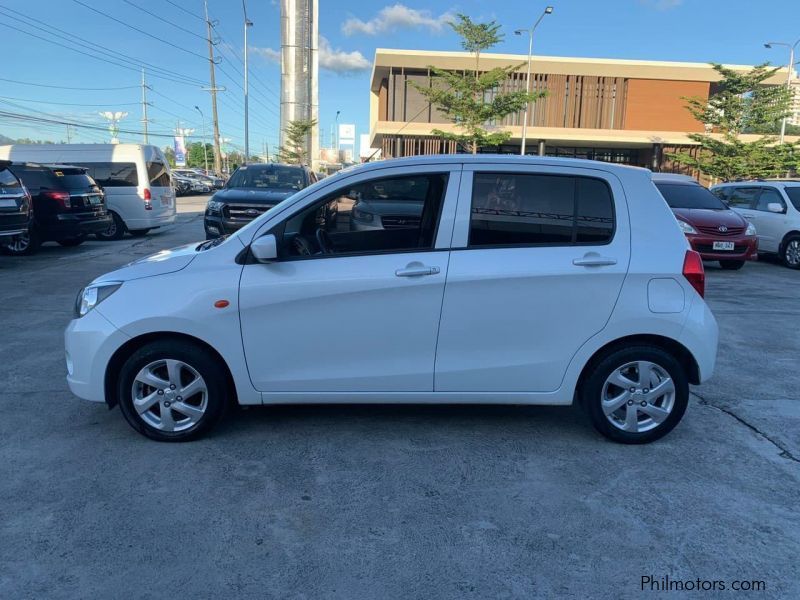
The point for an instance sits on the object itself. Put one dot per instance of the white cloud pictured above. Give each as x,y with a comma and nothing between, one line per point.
330,58
662,4
397,16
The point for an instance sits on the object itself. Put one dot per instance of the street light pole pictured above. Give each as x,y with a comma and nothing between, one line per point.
789,71
548,10
247,23
205,150
336,129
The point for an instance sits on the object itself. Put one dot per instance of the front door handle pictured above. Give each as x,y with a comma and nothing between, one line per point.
594,260
416,270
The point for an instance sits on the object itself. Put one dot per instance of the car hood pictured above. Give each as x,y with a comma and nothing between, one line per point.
252,196
160,263
411,208
710,218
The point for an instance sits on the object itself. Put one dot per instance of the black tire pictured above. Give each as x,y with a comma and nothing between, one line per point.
592,393
70,242
731,265
138,232
115,232
24,245
198,359
789,247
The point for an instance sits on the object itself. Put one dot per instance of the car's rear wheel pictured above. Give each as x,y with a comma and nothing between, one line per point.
69,242
172,391
731,265
138,232
790,251
23,245
636,395
115,231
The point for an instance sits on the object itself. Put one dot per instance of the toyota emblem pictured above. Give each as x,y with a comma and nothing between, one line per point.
722,229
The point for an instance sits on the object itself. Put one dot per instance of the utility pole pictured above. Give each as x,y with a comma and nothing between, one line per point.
213,89
205,150
247,23
530,32
69,135
145,121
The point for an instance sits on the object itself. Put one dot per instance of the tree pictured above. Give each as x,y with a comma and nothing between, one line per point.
295,152
741,104
472,99
195,156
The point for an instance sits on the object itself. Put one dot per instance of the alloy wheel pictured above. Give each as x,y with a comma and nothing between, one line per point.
638,396
20,244
792,252
170,395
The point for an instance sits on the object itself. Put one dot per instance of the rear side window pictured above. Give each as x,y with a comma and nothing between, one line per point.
157,174
118,174
9,184
769,196
742,197
510,209
794,195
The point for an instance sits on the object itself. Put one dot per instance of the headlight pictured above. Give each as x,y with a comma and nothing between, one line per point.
92,295
686,228
362,215
214,206
751,229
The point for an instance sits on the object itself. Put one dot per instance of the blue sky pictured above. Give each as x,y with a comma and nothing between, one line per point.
731,31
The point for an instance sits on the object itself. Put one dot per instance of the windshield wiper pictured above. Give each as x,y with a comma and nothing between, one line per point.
211,243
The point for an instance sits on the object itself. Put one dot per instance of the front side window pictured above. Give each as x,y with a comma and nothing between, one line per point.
510,209
769,196
743,197
157,174
794,195
390,214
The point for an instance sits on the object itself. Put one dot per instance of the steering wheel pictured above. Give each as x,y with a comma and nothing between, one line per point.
301,246
324,241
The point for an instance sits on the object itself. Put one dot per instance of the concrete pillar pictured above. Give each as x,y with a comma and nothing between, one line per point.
541,147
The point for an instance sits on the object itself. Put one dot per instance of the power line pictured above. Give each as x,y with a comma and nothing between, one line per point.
142,31
70,103
188,12
163,20
62,87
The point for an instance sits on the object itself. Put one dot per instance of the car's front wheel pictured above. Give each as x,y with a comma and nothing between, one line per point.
172,391
790,251
636,395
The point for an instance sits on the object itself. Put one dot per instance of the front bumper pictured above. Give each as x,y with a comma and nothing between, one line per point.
216,224
89,344
744,248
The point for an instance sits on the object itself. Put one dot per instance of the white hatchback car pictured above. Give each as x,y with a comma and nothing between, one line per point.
524,281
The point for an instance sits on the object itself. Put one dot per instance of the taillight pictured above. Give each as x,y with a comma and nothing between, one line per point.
694,272
147,195
61,197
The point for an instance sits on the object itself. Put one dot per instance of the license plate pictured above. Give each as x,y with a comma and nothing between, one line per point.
8,203
722,245
166,200
95,200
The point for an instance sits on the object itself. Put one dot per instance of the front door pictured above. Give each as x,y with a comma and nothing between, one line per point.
543,254
351,308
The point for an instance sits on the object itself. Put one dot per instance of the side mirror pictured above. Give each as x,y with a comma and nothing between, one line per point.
775,207
265,248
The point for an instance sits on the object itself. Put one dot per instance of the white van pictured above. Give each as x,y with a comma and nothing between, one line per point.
135,177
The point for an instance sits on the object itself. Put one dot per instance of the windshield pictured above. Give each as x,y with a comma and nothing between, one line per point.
794,195
689,196
269,177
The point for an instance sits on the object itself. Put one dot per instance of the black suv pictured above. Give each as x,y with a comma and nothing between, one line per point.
16,210
251,191
67,205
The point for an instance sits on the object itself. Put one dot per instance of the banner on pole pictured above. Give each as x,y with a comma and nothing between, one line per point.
180,151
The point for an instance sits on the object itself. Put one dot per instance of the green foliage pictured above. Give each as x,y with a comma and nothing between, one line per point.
741,104
473,99
295,151
195,157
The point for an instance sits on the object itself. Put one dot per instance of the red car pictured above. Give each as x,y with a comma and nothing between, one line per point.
713,229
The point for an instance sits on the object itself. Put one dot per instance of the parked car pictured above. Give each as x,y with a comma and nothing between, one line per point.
713,229
68,206
251,191
217,183
16,208
394,204
203,183
182,185
774,206
529,280
135,179
190,185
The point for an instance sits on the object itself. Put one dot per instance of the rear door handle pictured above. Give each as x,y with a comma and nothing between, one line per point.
416,271
594,261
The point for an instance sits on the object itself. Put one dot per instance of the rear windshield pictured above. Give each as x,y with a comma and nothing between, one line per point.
73,179
794,195
269,177
157,174
9,184
689,196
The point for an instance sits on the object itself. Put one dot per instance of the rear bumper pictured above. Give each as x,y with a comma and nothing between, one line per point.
700,335
13,224
70,225
151,222
745,248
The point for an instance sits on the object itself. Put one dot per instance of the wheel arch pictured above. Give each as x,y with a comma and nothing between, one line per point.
132,345
674,347
793,232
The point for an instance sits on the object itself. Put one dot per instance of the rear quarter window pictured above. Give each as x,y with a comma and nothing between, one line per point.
9,184
116,174
157,174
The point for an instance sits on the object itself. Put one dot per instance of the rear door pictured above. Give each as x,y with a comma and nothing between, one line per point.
770,226
539,256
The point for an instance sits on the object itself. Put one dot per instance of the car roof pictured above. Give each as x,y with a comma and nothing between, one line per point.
757,182
48,166
674,178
